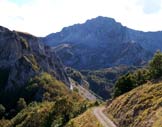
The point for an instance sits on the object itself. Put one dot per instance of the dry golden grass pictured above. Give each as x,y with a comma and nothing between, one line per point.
141,107
87,119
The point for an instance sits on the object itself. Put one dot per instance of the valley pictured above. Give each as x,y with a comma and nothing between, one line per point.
95,74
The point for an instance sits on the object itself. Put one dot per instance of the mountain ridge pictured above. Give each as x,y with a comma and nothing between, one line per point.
105,39
104,22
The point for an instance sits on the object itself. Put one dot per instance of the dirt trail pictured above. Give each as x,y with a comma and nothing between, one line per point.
104,120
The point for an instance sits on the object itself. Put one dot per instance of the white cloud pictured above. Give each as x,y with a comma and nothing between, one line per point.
41,17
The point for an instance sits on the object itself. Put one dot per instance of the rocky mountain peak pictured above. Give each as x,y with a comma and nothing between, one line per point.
101,20
103,39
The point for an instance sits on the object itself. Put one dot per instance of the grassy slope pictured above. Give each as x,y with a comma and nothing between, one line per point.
57,103
141,107
87,119
32,116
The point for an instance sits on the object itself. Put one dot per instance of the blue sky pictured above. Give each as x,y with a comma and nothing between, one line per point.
42,17
150,6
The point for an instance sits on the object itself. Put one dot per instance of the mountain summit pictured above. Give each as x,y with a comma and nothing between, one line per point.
92,32
102,42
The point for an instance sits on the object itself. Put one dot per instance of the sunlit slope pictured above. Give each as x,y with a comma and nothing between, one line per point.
141,107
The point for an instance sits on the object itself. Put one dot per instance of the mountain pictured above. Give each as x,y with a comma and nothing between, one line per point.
141,107
102,42
34,87
23,56
83,57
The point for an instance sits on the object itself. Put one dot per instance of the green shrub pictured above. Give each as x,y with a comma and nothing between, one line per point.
24,43
129,81
32,60
21,104
155,65
75,89
124,84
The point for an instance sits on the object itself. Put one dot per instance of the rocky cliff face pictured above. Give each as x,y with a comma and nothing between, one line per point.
23,56
83,57
102,42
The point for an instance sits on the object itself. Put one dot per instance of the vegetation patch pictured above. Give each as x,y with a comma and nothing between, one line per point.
46,102
24,43
31,59
140,107
130,81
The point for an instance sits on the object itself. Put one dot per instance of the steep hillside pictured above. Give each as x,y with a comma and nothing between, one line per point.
141,107
50,104
34,87
101,81
32,73
102,42
22,56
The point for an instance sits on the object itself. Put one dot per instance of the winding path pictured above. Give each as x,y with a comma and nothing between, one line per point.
103,119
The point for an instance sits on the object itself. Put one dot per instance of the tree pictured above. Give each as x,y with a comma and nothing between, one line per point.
124,84
155,65
2,110
141,76
21,104
63,110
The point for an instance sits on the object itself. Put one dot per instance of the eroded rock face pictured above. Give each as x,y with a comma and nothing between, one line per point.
23,56
103,42
96,58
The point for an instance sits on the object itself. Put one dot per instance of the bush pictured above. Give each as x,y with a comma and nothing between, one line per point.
141,76
124,84
129,81
155,65
76,90
21,104
24,43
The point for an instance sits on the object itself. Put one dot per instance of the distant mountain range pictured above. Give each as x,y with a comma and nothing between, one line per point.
102,42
